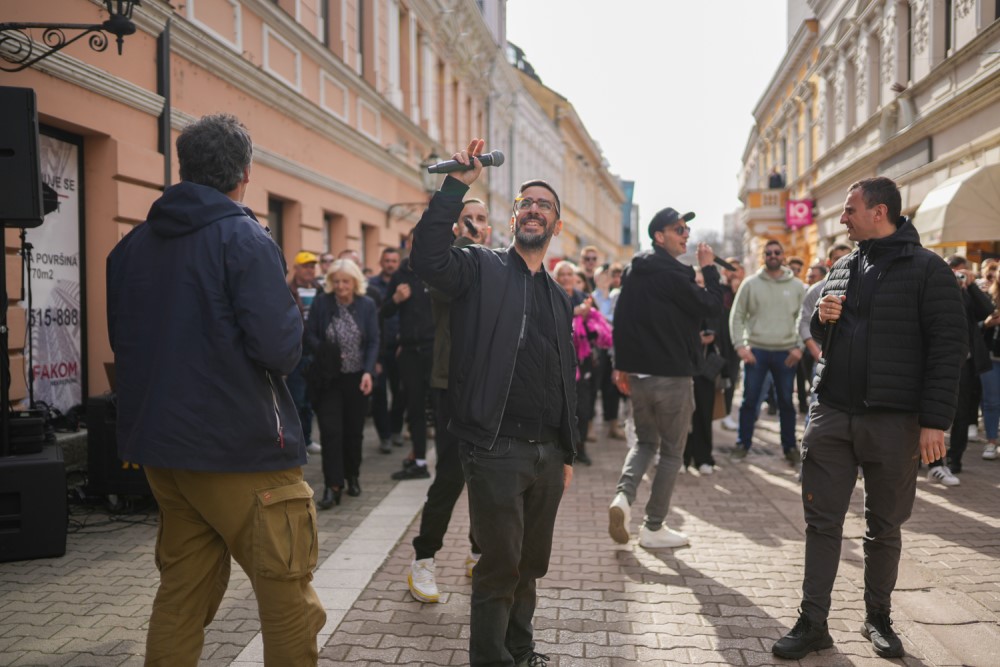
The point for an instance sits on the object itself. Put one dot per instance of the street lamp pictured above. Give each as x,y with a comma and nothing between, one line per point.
17,47
429,182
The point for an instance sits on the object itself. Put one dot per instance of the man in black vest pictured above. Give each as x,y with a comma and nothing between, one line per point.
893,336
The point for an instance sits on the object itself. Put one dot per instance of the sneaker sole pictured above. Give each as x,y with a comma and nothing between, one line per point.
417,595
616,525
826,642
880,652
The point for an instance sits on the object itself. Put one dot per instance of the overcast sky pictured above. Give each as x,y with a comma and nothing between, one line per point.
666,87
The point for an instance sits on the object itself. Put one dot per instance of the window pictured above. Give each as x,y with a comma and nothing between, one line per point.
276,219
324,22
949,29
907,41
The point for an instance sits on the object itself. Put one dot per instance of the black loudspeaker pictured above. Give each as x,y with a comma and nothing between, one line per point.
33,516
106,473
21,203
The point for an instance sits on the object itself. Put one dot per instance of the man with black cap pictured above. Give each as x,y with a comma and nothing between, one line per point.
658,320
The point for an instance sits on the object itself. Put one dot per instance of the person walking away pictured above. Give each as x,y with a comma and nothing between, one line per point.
203,327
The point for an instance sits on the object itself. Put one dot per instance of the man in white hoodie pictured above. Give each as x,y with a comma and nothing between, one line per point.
763,326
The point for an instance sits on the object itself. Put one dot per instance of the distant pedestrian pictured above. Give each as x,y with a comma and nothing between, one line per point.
342,334
305,286
512,401
409,297
590,260
658,351
763,327
203,328
893,334
473,226
387,416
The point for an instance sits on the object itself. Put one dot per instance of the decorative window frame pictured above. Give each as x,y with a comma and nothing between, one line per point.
237,24
268,33
343,113
378,120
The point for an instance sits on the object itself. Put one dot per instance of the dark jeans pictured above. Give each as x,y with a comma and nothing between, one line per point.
341,412
784,379
610,396
388,421
699,441
449,480
514,493
415,365
803,380
886,446
296,381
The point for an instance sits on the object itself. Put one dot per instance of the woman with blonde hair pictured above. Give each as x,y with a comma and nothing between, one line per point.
342,333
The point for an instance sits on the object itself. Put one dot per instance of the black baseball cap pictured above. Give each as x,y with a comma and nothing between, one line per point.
665,218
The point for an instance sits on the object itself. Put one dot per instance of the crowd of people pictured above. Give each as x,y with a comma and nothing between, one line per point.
499,360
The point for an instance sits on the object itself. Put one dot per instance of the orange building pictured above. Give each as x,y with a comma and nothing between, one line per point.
344,100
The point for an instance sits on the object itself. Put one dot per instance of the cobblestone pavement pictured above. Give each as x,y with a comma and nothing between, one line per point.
723,600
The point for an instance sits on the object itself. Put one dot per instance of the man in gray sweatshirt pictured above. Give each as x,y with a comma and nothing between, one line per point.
763,326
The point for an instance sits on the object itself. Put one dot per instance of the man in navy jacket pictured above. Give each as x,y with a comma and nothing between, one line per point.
203,328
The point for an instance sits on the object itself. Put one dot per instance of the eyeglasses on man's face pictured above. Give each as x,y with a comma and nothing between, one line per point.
524,203
773,253
681,230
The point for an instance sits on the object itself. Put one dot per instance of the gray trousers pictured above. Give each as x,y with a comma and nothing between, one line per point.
887,447
662,408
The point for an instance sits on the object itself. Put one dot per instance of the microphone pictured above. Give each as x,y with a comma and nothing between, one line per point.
494,159
724,264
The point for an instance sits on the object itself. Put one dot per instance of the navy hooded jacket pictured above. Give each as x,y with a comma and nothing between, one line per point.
203,328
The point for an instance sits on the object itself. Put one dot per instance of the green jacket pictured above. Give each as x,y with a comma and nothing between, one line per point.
765,312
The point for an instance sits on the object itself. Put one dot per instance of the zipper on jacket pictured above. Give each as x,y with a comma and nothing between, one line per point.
868,347
277,415
524,320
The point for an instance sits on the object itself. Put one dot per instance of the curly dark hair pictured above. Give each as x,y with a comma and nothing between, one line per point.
214,151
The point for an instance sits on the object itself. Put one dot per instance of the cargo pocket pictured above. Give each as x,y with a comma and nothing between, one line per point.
285,540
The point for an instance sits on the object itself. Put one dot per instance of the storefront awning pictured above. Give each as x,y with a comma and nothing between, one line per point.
963,209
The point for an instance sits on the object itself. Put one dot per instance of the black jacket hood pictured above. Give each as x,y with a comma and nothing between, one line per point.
187,207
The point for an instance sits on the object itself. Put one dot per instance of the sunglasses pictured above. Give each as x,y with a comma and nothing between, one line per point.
590,259
773,253
681,230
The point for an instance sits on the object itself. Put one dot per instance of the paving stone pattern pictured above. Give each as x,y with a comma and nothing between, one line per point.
721,601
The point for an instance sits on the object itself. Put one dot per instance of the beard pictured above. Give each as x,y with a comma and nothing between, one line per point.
530,241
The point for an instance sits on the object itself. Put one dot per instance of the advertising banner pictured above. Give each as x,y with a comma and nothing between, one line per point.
798,213
56,354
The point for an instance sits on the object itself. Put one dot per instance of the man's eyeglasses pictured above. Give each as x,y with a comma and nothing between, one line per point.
681,230
524,203
773,253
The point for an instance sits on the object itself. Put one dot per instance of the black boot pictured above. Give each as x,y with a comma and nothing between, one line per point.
353,487
331,497
804,638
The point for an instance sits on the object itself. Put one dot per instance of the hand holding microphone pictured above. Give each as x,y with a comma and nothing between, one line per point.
462,166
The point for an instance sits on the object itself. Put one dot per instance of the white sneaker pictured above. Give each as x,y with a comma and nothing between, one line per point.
706,469
423,586
943,475
619,515
470,562
990,451
973,432
730,424
314,448
661,539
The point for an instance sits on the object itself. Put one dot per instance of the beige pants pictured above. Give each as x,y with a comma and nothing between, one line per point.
264,520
